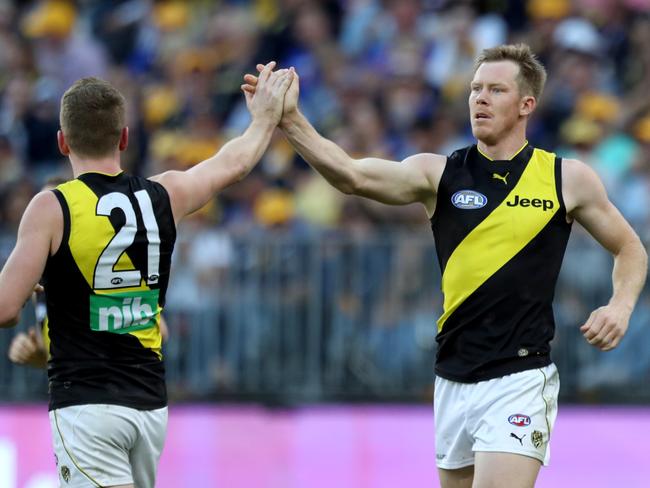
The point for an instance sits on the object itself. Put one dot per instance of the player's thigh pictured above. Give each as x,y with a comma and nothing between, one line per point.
501,469
453,440
146,451
456,478
91,444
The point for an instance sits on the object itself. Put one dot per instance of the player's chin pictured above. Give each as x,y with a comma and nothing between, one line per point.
483,134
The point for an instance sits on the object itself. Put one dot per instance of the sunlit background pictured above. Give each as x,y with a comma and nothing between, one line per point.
302,321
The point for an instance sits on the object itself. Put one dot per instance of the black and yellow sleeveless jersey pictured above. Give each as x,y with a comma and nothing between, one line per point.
105,289
500,230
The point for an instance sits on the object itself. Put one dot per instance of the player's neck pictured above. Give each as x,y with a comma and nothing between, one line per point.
504,149
108,165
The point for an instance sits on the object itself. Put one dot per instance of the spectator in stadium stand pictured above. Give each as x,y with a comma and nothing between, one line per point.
103,243
501,212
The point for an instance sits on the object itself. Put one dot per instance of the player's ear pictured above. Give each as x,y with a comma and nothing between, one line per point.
124,139
63,145
527,105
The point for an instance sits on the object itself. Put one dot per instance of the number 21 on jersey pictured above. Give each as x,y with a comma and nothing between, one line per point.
105,276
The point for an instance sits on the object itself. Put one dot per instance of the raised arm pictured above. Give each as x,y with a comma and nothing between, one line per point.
192,189
40,226
587,202
413,180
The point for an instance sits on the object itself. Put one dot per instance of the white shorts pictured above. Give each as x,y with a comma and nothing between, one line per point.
513,413
107,445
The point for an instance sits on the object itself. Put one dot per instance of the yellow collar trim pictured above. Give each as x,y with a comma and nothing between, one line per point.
509,159
101,173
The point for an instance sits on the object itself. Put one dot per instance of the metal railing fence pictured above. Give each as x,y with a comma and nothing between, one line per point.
285,319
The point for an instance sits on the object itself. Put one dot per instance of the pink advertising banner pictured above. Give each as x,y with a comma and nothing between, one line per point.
345,447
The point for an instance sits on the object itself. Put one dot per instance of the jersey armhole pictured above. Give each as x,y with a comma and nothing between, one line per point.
434,215
66,220
558,186
451,160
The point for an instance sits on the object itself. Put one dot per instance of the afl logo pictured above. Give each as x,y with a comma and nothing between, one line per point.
117,281
468,199
519,420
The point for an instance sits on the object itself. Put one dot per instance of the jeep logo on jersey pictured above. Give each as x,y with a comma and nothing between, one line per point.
519,420
468,199
122,313
534,202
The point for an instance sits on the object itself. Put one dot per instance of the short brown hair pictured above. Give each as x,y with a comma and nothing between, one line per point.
92,117
532,74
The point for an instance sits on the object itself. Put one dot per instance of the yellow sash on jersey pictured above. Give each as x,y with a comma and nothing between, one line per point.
503,233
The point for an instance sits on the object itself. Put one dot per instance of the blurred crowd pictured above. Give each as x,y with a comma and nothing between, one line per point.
387,78
380,77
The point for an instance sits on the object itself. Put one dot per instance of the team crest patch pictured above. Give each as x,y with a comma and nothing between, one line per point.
65,473
537,438
468,199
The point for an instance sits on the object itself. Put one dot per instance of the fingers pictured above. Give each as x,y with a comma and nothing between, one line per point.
613,343
585,327
604,329
22,349
592,327
250,79
266,71
278,78
36,337
248,90
285,81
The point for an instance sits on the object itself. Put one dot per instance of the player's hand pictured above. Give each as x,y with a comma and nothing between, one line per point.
267,100
606,326
291,97
28,349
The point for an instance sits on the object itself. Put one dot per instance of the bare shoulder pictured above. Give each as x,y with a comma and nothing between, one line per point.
42,221
431,164
44,207
575,171
164,178
580,184
174,183
427,160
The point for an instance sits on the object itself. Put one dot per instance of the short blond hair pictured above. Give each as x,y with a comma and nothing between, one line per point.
532,74
92,117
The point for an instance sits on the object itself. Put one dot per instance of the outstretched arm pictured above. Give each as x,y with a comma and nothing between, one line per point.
192,189
587,202
413,180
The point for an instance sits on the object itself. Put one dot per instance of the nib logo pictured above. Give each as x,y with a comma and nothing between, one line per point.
122,313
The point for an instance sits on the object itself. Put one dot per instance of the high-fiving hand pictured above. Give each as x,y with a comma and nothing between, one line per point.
254,84
267,97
